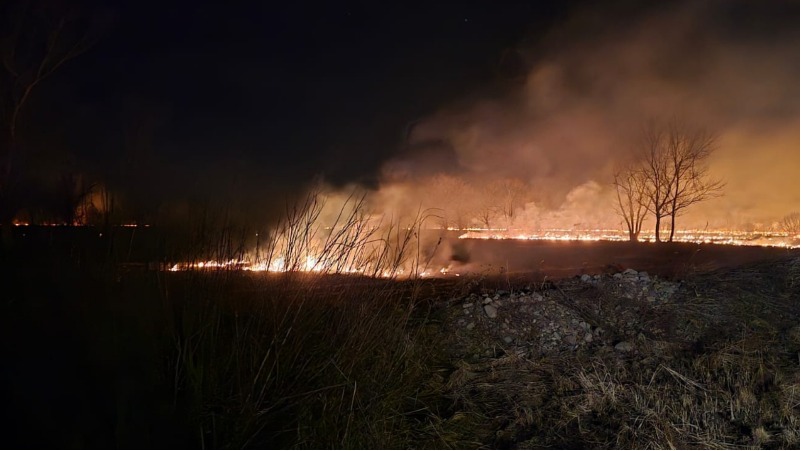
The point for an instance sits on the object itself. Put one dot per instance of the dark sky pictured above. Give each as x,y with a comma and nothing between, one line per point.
259,96
246,102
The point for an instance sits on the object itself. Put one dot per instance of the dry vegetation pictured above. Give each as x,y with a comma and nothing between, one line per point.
356,363
298,363
226,359
717,369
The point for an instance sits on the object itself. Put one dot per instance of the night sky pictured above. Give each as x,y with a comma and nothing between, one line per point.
248,102
260,96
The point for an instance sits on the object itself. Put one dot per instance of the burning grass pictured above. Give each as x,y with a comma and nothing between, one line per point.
325,235
727,237
317,235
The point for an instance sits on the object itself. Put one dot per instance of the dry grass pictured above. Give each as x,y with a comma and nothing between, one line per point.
305,360
308,361
727,378
311,363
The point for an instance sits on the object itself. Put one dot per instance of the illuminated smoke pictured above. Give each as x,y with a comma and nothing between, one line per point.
534,159
592,84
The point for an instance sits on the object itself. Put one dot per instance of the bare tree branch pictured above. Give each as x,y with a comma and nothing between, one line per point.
37,38
631,190
672,173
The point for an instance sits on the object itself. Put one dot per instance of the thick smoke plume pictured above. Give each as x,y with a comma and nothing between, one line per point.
542,152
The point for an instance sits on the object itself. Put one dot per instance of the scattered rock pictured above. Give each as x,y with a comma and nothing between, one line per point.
624,346
540,321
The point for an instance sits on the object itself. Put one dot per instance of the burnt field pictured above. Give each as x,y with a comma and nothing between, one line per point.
570,258
701,352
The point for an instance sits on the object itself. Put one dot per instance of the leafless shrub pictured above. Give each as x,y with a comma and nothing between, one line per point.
790,224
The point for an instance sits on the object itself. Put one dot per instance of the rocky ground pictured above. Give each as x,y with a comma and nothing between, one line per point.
626,359
577,314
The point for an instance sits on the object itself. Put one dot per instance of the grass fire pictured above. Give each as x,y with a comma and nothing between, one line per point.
561,225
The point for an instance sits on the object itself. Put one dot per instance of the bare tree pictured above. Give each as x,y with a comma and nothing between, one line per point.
510,193
37,40
688,151
790,224
631,189
456,198
655,169
675,173
486,210
497,200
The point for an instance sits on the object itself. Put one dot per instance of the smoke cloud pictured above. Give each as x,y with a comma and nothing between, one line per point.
539,152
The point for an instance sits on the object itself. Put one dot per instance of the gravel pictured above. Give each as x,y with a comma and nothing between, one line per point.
586,312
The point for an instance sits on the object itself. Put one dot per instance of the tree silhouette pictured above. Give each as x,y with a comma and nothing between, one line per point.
38,39
672,165
631,189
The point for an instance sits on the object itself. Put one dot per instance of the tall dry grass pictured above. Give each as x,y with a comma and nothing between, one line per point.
303,361
320,233
309,356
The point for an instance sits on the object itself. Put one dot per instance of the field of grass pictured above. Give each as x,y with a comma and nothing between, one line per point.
95,356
